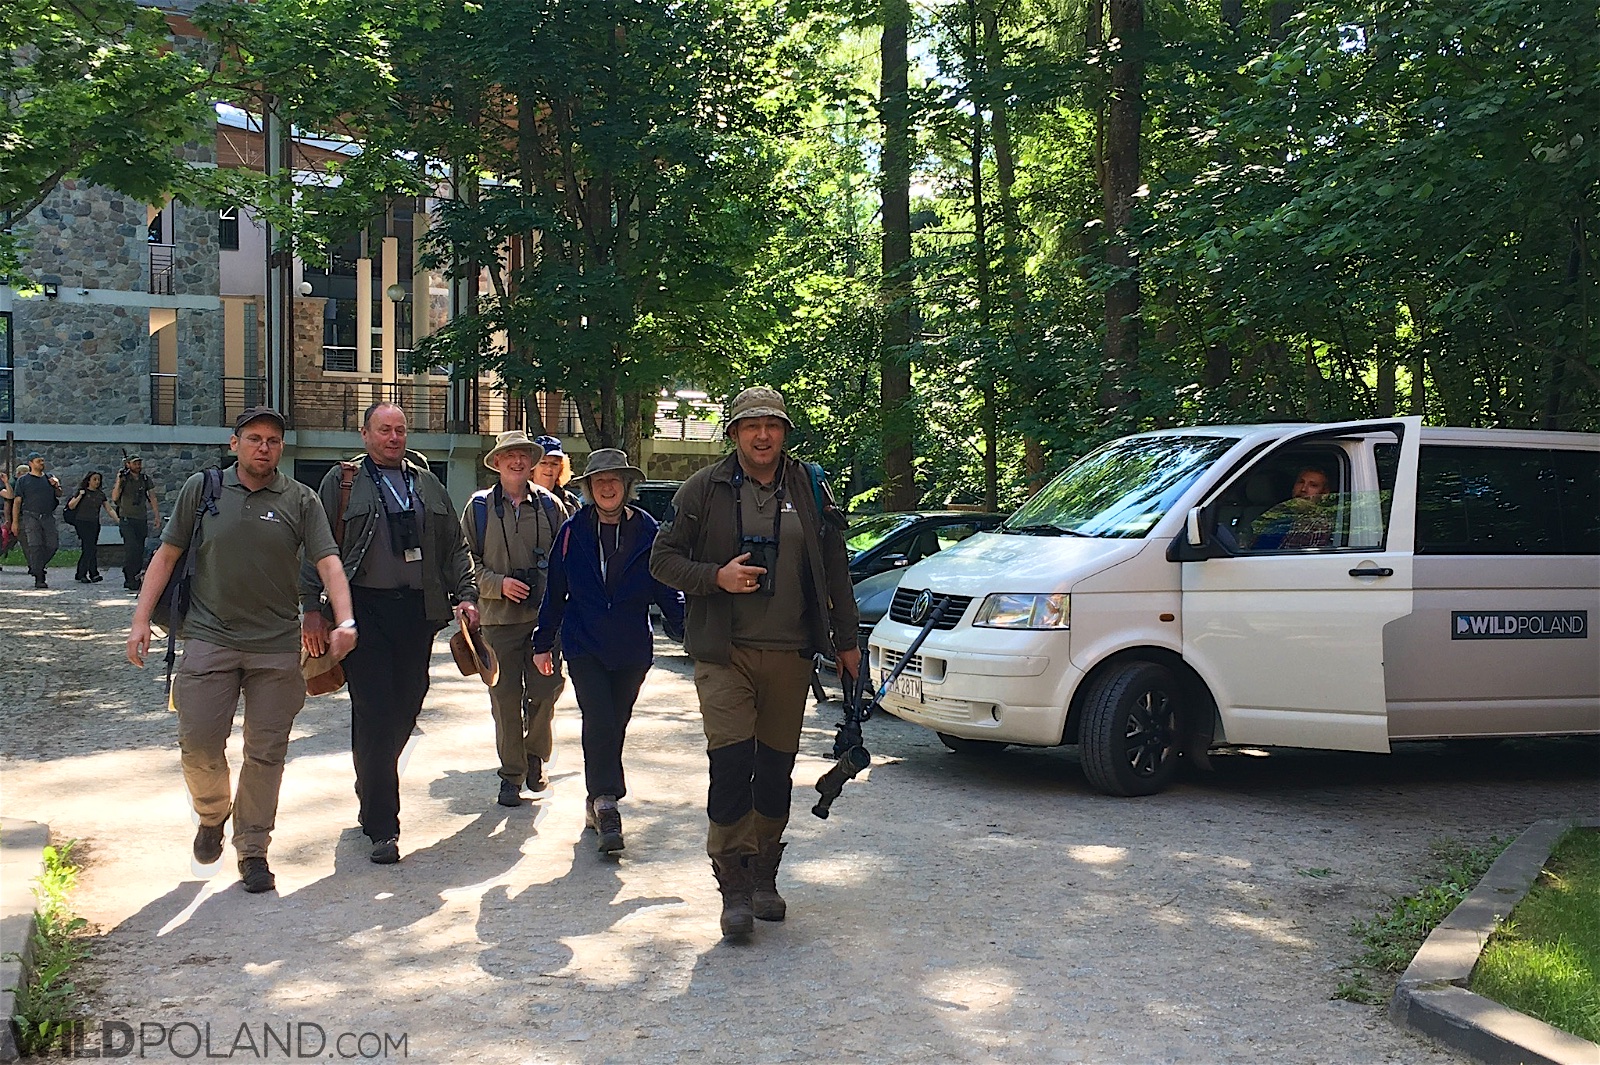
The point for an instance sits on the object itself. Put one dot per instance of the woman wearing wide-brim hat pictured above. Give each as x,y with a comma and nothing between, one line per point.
597,600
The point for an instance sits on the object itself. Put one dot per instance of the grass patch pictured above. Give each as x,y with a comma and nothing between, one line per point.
66,556
1390,940
1544,960
49,1002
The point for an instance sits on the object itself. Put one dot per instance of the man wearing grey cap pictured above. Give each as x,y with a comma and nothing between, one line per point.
767,578
242,634
133,497
37,494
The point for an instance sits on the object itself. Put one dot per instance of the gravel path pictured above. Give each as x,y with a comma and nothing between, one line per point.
951,909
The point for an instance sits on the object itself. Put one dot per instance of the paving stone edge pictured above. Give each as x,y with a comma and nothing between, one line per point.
1432,995
22,845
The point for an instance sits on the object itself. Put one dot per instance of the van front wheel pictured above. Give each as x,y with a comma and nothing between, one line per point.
1129,738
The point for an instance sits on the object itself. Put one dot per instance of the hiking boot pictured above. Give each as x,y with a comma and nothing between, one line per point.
95,578
765,901
589,820
734,881
510,794
386,851
608,823
256,876
208,843
536,782
40,582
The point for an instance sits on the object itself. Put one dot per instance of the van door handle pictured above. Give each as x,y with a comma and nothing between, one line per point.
1372,571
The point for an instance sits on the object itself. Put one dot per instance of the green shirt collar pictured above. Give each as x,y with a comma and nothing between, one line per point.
277,486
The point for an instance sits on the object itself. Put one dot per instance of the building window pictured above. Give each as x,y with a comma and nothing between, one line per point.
7,402
339,335
228,229
157,233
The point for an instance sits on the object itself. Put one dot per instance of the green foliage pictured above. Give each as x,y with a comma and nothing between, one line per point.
1544,960
92,90
1390,940
50,1001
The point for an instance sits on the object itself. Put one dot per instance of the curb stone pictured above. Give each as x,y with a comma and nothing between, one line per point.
22,845
1432,995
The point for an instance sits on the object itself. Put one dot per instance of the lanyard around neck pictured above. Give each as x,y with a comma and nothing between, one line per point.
384,484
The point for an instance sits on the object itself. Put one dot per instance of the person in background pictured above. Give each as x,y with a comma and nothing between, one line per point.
511,529
10,533
1304,520
598,601
134,498
554,470
86,505
37,496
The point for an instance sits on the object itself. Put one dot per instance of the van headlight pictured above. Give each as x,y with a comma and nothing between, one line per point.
1008,610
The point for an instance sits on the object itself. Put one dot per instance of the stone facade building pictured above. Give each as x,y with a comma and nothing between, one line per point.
141,330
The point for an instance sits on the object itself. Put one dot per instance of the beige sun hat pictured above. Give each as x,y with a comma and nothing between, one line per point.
758,402
510,441
609,460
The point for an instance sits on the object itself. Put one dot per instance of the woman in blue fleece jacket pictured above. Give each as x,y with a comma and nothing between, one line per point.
597,598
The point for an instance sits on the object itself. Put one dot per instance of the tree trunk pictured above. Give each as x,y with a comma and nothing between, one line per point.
895,293
533,415
633,426
1385,400
1011,245
1123,121
978,93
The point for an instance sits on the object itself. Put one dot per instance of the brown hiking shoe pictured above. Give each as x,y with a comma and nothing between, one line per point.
734,880
765,902
608,824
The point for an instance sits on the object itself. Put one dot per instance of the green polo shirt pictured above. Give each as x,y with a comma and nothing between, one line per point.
246,591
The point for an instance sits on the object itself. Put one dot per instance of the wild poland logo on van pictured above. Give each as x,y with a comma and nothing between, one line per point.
1519,625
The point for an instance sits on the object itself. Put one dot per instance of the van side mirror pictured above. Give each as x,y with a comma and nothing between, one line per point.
1196,542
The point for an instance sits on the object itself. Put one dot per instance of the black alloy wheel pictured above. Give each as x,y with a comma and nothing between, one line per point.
1129,738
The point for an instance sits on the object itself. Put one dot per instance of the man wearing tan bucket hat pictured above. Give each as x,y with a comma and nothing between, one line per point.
510,530
764,567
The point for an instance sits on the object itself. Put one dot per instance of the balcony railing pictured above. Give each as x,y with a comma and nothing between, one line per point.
163,269
671,427
338,359
340,404
163,399
239,394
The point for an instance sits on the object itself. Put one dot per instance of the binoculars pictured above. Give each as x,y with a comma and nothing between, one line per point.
529,575
764,553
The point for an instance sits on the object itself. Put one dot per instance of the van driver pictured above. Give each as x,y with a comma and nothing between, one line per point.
1300,521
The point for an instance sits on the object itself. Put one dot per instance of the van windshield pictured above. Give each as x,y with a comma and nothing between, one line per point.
1120,490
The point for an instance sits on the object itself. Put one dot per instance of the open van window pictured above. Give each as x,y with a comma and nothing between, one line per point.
1120,490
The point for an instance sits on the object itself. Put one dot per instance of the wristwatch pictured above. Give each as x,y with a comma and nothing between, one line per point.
348,624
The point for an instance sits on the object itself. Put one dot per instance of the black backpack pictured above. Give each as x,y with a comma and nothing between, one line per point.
172,606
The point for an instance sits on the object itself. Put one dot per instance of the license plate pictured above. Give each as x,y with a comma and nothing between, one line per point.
907,686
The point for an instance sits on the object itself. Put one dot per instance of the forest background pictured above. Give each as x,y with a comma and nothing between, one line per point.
969,239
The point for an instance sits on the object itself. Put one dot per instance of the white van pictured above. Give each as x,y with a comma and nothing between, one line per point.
1182,589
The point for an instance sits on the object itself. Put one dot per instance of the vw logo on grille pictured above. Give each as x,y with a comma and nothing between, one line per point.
921,606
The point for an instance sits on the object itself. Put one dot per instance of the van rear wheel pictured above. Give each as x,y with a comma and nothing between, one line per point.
1130,735
971,748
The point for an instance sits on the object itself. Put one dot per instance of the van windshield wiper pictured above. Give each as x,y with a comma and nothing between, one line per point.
1041,530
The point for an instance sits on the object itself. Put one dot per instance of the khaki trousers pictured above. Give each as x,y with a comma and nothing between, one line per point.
523,702
752,709
206,694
